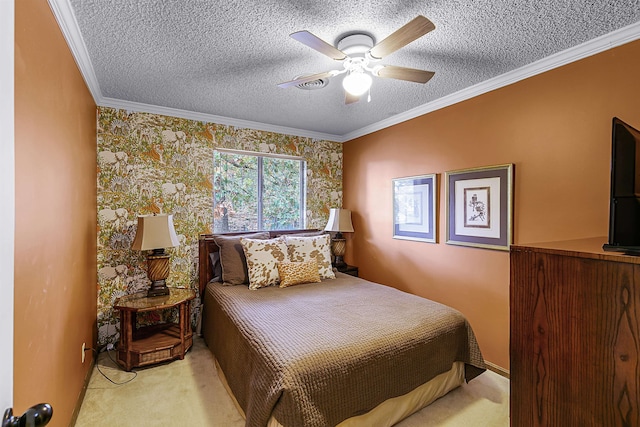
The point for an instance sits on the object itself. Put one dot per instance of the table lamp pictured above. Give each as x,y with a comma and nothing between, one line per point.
339,222
155,233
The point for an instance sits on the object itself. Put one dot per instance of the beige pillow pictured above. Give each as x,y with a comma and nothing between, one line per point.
316,248
232,259
263,257
297,273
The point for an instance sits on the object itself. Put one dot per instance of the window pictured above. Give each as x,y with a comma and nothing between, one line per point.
257,192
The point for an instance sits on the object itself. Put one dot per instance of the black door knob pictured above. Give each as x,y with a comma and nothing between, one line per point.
36,416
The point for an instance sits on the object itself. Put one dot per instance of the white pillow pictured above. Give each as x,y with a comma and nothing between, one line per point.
263,256
316,248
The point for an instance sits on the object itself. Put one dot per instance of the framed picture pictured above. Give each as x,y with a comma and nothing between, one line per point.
414,208
479,207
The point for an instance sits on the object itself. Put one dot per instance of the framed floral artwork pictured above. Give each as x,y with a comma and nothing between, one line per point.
414,208
480,207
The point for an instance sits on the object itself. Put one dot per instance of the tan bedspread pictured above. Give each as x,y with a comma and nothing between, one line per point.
316,354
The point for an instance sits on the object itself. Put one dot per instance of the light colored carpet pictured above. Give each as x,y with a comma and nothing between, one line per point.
188,393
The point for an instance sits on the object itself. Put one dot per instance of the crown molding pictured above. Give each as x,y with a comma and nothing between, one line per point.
69,26
600,44
67,22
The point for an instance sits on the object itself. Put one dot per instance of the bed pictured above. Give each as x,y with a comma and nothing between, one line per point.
342,351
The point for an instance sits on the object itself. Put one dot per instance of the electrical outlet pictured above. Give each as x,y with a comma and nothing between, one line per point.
83,348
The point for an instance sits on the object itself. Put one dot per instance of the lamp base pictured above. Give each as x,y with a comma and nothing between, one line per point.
158,288
338,248
158,271
339,262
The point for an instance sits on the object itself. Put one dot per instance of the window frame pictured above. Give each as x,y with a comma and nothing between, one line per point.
260,181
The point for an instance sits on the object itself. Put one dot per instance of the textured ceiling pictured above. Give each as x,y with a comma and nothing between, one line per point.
223,59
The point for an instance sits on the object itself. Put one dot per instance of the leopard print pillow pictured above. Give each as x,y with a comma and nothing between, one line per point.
263,257
297,273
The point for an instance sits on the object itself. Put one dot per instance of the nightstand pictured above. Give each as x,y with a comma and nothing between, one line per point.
155,343
348,269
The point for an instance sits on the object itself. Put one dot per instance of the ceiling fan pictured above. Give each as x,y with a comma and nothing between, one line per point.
359,55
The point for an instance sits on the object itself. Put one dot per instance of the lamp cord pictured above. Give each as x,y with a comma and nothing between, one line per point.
135,374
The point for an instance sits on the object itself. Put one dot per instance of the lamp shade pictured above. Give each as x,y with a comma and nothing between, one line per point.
155,232
339,220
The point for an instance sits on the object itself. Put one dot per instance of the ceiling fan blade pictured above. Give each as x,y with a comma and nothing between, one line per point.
402,73
305,79
314,42
414,29
349,98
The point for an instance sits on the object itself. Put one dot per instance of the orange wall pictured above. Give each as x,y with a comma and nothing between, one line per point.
555,128
55,243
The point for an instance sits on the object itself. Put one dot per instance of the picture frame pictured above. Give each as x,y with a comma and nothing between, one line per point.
480,207
414,208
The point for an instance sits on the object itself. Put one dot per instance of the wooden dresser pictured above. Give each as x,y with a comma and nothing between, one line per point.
575,343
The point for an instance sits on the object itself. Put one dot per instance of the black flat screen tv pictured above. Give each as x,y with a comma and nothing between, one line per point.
624,204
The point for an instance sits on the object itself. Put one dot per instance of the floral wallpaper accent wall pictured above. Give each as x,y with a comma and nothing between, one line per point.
149,163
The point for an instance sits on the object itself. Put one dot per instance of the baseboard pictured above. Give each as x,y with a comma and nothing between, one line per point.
87,378
497,369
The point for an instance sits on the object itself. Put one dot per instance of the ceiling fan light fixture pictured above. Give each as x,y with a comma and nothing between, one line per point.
357,50
357,83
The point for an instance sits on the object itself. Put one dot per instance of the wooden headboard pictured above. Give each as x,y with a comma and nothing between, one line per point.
206,245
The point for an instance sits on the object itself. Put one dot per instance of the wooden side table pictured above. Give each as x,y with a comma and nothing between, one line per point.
155,343
351,270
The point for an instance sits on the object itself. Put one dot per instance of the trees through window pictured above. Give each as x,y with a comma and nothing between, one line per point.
257,192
